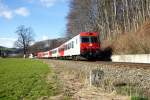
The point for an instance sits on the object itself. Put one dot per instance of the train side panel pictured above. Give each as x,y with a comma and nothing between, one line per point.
85,44
40,55
72,47
45,54
54,53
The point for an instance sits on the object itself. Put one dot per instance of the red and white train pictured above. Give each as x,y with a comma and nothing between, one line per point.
85,45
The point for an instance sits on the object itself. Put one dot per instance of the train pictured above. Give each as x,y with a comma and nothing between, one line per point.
85,45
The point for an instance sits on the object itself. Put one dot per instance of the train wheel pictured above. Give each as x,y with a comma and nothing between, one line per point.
77,58
74,58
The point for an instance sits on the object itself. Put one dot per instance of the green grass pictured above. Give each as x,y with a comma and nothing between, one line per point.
139,98
132,90
24,79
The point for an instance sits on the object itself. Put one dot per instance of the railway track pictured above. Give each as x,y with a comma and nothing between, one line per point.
113,64
76,82
125,64
136,75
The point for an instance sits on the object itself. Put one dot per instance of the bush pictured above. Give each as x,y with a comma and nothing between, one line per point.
138,98
131,43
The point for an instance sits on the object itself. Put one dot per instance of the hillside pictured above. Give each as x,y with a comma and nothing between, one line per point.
46,45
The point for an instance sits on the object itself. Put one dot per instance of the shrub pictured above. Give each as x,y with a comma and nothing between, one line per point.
138,98
131,43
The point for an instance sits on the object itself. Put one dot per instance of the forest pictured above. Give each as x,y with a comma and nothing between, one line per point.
111,18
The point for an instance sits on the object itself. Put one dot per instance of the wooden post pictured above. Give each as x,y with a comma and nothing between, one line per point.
90,78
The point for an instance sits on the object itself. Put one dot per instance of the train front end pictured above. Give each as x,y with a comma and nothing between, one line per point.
89,45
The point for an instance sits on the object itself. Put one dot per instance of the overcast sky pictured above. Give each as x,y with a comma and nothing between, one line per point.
46,17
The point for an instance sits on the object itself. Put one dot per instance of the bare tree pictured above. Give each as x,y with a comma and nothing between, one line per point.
108,17
25,38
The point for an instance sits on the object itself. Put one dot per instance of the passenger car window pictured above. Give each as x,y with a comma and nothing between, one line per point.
76,41
72,44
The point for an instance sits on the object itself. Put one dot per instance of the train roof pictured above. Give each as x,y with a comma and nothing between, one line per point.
89,33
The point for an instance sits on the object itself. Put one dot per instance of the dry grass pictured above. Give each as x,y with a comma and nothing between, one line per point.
131,43
76,84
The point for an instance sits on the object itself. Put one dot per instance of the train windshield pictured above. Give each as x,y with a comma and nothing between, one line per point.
89,39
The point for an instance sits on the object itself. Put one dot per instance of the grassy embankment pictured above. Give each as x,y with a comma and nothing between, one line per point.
25,79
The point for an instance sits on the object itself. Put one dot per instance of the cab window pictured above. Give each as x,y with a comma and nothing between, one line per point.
89,39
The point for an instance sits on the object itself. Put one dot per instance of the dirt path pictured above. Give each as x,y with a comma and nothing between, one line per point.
76,87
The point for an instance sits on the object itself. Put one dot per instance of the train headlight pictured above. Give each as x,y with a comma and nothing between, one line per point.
90,44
